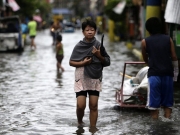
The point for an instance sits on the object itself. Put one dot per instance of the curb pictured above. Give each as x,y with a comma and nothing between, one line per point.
135,51
138,54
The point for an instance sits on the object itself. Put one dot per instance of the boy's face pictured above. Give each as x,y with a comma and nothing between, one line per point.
89,32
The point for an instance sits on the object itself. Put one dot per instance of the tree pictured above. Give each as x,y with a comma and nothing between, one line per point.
111,14
28,7
78,9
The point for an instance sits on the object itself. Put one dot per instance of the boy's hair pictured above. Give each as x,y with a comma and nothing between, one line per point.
31,18
153,25
59,38
88,23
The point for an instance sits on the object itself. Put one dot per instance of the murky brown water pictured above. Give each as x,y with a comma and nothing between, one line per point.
36,100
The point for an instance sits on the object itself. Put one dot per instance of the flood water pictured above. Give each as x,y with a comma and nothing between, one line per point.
36,100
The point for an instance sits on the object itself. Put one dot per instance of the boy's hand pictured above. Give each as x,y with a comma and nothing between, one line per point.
87,60
96,51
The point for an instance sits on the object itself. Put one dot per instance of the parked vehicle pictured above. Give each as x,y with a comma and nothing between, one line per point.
10,34
68,27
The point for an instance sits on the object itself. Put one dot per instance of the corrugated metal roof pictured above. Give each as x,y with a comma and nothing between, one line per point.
172,12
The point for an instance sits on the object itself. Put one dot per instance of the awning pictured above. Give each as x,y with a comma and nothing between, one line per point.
172,12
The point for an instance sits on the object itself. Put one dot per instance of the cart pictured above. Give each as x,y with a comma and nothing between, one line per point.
119,93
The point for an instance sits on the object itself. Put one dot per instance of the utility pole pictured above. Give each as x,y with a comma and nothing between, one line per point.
153,9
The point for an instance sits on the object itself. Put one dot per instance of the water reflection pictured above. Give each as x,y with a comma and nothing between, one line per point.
93,130
59,78
158,128
89,130
79,131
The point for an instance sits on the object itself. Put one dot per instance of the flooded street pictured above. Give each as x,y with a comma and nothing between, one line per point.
36,100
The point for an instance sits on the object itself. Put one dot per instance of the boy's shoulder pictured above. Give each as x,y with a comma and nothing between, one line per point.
84,42
59,44
158,36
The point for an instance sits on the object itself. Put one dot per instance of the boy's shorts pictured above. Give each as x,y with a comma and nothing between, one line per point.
59,58
160,92
32,37
90,92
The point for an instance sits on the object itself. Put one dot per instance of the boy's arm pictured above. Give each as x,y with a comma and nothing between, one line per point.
143,51
173,53
82,63
174,61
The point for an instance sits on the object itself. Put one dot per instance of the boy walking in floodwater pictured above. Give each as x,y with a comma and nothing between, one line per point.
59,53
159,53
32,26
89,60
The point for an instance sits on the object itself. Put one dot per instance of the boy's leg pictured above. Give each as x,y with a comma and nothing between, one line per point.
62,69
59,60
32,42
154,98
81,105
93,106
59,65
167,95
167,112
154,114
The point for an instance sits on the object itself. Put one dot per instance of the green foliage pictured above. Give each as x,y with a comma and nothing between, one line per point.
111,14
28,7
129,2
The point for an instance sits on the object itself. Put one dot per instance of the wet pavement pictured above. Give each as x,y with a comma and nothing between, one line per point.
36,100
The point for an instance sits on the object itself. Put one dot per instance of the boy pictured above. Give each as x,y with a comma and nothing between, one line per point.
32,26
159,53
89,62
59,53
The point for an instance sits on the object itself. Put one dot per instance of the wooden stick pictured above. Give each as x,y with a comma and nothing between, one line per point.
126,75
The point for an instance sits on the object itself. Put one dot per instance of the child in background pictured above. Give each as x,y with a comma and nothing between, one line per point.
32,26
59,53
